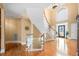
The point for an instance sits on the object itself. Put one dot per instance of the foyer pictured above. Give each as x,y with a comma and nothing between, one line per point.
48,29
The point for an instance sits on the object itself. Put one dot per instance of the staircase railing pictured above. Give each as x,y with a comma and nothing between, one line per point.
48,22
50,27
30,48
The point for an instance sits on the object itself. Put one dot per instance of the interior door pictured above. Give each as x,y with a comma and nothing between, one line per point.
61,31
0,28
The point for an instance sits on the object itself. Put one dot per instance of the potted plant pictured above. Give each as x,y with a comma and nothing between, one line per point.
67,33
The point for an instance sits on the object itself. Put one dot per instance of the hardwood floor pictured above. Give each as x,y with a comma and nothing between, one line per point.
19,50
15,49
50,49
72,47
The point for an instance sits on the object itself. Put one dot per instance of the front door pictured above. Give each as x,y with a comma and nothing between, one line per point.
61,31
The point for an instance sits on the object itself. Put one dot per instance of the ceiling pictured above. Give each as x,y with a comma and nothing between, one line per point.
17,9
33,10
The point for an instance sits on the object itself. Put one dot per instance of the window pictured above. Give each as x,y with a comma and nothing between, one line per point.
62,15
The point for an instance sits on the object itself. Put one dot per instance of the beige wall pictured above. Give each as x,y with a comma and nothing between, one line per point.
36,32
50,15
73,10
12,26
17,25
36,38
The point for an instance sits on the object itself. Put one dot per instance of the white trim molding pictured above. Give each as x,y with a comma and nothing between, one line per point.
13,42
22,43
35,49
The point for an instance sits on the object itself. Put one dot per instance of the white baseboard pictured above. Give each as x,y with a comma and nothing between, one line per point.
13,42
2,51
35,50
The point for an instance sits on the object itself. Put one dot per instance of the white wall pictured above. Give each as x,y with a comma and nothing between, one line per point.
74,31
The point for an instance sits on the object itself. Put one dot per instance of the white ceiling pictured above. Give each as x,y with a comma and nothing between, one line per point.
33,10
17,9
62,15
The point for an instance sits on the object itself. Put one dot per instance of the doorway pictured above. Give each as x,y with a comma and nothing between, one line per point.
61,31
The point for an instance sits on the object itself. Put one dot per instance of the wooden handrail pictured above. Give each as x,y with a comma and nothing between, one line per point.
46,18
48,22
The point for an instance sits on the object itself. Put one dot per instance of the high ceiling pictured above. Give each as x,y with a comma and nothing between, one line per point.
33,11
17,9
